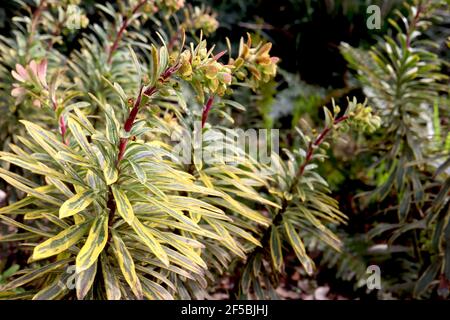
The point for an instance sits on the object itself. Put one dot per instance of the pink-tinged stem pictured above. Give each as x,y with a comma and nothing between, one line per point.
36,16
206,110
63,129
413,25
122,146
123,27
311,146
129,125
134,111
61,122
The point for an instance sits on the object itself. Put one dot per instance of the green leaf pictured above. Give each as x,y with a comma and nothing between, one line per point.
126,264
56,289
145,234
427,277
79,136
61,242
123,205
77,203
154,290
84,281
275,249
299,248
112,285
95,242
31,191
110,172
140,173
35,274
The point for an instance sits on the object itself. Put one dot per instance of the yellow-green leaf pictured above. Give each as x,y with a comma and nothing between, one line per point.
123,204
145,234
80,137
110,172
30,191
84,281
112,285
299,248
275,249
61,242
126,264
34,274
76,204
57,288
95,242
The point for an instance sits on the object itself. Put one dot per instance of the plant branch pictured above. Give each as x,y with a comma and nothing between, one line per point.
300,171
35,20
122,29
413,24
206,109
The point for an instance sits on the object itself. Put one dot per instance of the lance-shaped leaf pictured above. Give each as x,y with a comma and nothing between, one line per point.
84,280
33,192
56,289
275,248
95,242
112,285
299,248
80,137
147,237
30,276
61,242
126,264
76,204
123,204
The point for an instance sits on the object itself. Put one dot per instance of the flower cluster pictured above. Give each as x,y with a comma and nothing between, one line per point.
200,19
31,82
255,62
361,115
202,69
169,6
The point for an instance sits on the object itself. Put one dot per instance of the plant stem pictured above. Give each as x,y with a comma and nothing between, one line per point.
413,24
276,220
311,147
206,109
128,125
35,20
123,27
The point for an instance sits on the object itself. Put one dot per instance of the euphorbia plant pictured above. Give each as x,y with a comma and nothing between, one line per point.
104,189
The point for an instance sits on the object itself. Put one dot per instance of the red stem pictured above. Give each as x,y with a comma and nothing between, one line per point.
413,25
124,25
206,109
63,129
36,16
311,146
128,125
